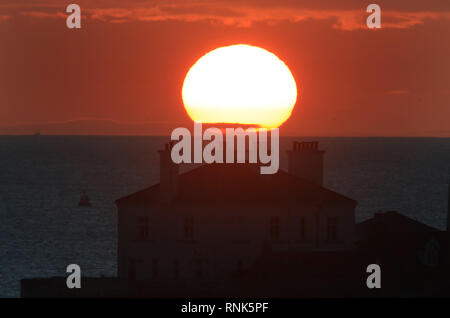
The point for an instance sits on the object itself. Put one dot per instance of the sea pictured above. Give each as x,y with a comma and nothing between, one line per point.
42,229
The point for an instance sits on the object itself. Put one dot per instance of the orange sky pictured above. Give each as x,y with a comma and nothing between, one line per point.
122,73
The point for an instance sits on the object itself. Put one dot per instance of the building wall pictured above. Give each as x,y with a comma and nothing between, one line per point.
224,240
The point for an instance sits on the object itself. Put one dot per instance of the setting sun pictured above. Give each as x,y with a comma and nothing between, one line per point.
240,84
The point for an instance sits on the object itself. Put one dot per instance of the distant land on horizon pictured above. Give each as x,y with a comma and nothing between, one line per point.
107,127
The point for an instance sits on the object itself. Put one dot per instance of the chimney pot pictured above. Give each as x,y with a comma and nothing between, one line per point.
306,161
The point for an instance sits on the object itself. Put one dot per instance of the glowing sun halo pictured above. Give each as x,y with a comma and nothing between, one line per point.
240,84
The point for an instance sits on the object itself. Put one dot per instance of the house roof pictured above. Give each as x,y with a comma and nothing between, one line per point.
392,222
397,239
240,183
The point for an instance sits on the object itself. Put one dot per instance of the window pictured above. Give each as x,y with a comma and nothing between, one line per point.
131,269
199,268
239,265
302,228
143,228
176,269
431,253
155,267
189,227
332,229
274,228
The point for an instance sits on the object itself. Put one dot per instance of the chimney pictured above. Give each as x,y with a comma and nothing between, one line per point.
305,160
168,174
448,208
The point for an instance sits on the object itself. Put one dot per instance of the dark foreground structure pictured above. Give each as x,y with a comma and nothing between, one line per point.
224,230
414,263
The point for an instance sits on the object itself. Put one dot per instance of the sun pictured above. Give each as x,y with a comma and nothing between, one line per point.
240,84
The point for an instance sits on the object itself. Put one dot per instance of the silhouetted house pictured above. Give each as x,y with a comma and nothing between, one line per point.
413,255
220,218
401,239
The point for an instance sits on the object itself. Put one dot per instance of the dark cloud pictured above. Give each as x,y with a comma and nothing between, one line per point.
345,15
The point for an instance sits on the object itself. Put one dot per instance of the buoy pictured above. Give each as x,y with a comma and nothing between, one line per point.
84,200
